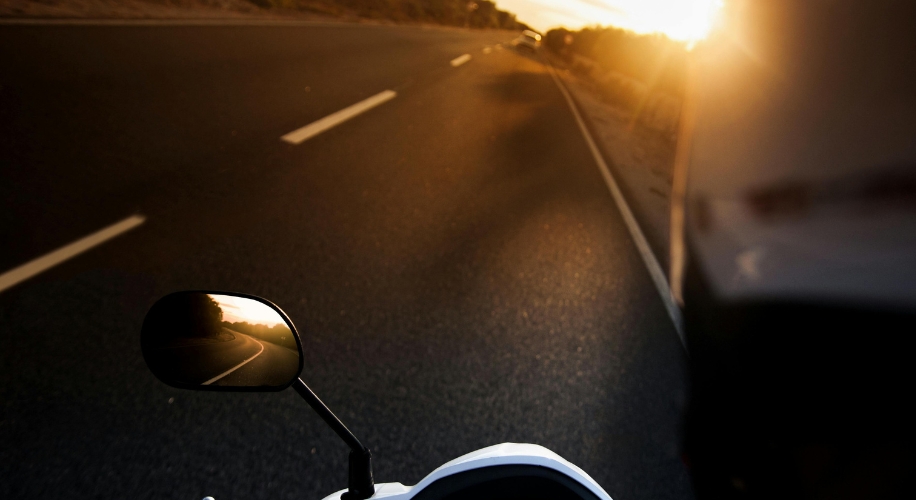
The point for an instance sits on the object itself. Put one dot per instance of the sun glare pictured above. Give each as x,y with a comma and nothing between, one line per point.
239,309
684,20
699,22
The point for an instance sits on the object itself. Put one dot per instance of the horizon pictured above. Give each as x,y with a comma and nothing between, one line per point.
241,310
681,20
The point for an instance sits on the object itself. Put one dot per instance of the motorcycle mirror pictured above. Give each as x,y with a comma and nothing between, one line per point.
220,341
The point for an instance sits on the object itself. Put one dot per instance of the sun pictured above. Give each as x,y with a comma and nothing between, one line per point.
697,22
684,20
236,309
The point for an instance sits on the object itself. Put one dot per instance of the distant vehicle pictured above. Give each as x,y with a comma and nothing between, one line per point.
529,40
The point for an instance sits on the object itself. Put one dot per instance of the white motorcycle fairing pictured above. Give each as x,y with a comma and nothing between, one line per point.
506,454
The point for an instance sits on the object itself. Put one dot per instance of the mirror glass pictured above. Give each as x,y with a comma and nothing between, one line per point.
212,341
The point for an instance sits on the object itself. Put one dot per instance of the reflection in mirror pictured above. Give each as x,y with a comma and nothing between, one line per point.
198,339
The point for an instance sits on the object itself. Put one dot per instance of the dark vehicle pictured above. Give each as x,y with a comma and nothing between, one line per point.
795,251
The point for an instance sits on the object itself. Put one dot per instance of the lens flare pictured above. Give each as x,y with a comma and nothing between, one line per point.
685,20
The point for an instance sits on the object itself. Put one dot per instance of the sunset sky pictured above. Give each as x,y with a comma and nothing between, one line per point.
686,20
237,309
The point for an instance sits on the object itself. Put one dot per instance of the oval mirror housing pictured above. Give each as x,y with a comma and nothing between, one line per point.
220,341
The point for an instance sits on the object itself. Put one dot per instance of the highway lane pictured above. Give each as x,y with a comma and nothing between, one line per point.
237,364
229,360
96,117
271,367
453,260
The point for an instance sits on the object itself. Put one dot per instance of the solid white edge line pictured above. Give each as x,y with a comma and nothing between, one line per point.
458,61
651,262
15,276
302,134
236,367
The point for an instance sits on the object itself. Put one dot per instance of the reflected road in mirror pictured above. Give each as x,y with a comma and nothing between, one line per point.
199,339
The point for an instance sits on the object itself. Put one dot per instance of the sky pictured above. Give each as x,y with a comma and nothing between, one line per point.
686,20
238,309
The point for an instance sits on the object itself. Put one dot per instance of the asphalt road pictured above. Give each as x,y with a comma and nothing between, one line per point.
198,360
237,361
271,365
453,259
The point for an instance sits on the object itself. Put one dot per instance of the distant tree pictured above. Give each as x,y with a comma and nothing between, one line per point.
473,13
506,20
205,316
555,40
279,334
654,59
188,315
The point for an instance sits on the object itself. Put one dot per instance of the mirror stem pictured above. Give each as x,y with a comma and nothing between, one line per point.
327,415
360,482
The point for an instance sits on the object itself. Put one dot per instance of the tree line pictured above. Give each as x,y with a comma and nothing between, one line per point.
643,75
278,334
655,60
468,13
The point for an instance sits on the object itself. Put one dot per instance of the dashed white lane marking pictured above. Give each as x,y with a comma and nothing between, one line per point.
311,130
15,276
487,50
458,61
655,269
236,367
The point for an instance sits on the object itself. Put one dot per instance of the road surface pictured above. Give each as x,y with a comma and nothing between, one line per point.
452,257
236,360
270,365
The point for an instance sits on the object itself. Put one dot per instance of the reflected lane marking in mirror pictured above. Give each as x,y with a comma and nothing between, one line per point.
458,61
236,367
305,133
15,276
